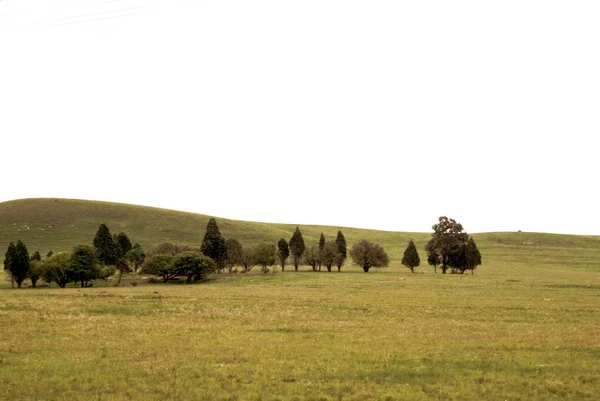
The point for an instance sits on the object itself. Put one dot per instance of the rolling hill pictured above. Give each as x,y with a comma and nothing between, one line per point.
59,224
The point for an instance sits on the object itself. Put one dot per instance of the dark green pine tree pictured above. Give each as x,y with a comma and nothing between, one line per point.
472,255
213,244
8,258
411,256
36,256
297,247
105,246
123,244
342,249
283,252
321,247
19,263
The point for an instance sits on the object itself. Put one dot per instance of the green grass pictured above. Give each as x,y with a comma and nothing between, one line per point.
526,326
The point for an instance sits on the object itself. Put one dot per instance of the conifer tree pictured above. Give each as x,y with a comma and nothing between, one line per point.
283,252
472,255
321,248
411,256
105,246
297,247
8,258
213,244
342,249
123,244
19,263
36,256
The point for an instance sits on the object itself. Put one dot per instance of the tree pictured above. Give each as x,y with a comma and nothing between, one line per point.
19,263
84,264
50,253
194,265
234,253
122,267
248,259
36,256
411,256
367,254
213,244
57,268
107,251
297,247
135,257
160,265
8,258
447,238
265,256
35,271
329,255
472,255
342,249
123,244
311,257
432,256
283,252
321,247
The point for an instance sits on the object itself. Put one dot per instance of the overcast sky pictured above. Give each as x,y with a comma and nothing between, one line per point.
376,114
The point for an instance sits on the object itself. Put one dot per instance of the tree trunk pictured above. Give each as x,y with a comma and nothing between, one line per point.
366,269
120,277
339,269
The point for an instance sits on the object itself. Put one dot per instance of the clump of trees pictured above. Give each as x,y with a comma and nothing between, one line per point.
451,247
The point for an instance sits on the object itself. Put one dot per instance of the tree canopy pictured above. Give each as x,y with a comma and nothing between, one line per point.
283,252
342,249
107,252
411,256
367,255
297,247
213,244
446,240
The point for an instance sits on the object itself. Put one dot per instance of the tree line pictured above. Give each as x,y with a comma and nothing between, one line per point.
450,247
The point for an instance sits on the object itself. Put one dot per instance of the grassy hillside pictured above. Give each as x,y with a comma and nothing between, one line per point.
59,224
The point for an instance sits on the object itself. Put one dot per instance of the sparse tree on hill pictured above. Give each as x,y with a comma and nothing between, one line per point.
36,256
297,247
342,249
234,253
265,256
84,265
321,248
249,259
283,252
330,254
311,257
57,268
367,255
213,244
105,246
194,265
447,238
472,255
160,265
19,263
8,258
411,256
50,253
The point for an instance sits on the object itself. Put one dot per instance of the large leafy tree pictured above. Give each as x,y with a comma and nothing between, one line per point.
234,253
36,271
8,258
446,240
297,247
249,258
472,255
84,264
106,250
213,244
367,255
57,268
411,258
342,249
194,265
283,252
432,257
135,257
329,255
160,265
19,263
311,257
265,256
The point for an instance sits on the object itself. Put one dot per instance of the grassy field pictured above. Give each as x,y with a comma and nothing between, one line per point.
526,326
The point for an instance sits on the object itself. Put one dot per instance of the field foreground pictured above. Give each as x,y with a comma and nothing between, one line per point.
503,334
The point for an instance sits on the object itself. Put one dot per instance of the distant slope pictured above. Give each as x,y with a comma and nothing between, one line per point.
59,224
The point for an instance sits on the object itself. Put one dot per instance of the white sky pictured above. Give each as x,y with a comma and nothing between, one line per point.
377,114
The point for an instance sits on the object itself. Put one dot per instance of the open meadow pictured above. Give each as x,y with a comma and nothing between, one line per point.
526,326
